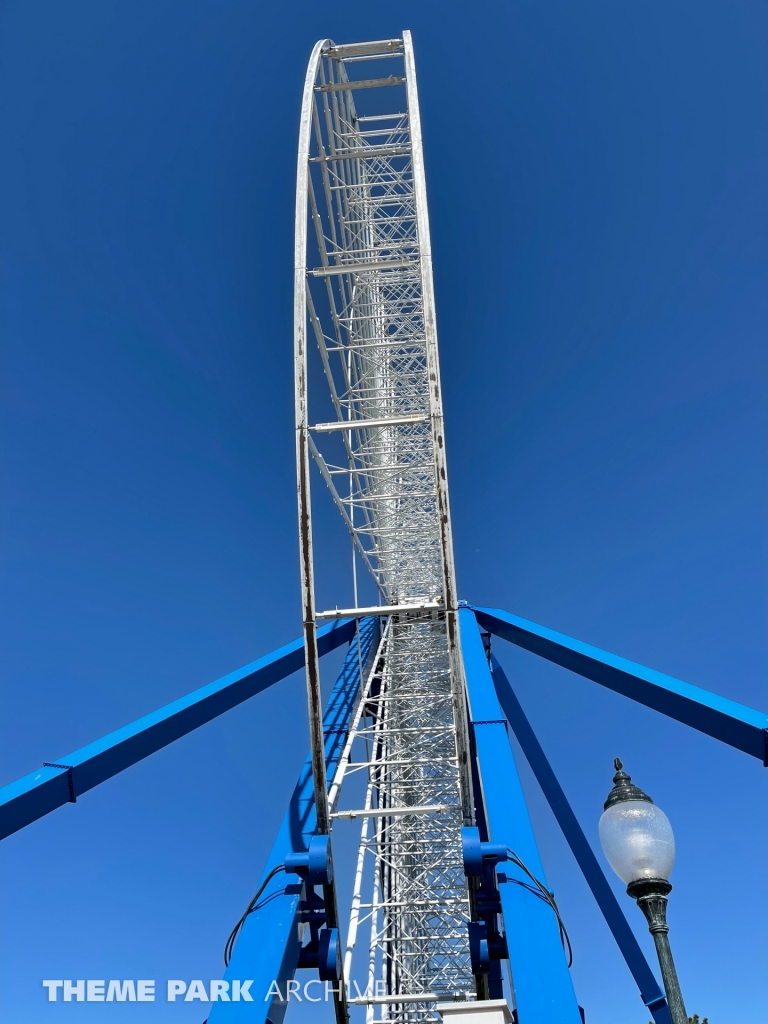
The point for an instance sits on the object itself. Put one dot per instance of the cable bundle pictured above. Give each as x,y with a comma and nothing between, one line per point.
229,947
543,893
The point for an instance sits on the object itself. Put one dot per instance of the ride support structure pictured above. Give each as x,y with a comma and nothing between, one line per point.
448,913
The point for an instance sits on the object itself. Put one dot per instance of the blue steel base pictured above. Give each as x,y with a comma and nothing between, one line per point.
543,989
269,947
267,951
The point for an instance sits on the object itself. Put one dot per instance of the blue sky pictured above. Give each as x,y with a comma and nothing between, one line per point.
596,175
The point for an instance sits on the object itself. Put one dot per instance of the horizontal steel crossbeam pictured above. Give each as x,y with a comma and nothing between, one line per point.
364,83
387,609
363,153
363,268
339,52
393,812
361,424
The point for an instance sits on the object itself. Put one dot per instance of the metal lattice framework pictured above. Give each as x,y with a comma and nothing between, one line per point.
396,718
418,909
366,299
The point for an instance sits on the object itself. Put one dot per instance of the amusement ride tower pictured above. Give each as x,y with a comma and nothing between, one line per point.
415,733
364,297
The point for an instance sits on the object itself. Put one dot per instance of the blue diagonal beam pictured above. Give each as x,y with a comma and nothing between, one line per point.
732,723
267,950
36,795
650,992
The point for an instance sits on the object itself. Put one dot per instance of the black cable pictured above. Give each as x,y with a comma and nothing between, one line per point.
544,894
229,947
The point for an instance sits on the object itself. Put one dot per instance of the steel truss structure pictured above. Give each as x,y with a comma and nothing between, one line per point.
417,908
421,709
364,294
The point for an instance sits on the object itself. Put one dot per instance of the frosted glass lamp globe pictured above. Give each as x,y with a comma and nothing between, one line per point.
637,840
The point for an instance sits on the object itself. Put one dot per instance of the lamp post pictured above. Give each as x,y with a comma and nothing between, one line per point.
637,840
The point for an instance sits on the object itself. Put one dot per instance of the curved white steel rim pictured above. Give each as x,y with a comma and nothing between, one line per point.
364,294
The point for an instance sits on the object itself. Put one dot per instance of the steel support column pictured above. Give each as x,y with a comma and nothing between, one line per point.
438,432
267,949
543,989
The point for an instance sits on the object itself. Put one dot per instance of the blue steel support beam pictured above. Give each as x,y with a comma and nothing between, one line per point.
650,992
267,949
732,723
36,795
543,989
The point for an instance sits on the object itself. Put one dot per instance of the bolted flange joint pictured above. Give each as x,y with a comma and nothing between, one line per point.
486,943
315,865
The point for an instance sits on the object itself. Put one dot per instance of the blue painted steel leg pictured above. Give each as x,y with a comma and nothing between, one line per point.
267,950
543,989
650,992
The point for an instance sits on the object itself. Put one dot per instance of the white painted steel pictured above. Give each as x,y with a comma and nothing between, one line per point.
398,421
387,609
365,291
392,812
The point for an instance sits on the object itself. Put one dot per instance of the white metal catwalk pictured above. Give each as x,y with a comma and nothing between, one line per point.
364,297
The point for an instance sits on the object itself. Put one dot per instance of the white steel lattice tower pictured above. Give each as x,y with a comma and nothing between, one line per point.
364,297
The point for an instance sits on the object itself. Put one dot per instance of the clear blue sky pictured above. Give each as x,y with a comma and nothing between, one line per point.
597,176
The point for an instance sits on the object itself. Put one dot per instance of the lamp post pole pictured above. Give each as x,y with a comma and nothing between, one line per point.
638,842
651,895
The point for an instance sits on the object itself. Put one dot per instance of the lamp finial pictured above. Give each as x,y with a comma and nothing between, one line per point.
623,788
